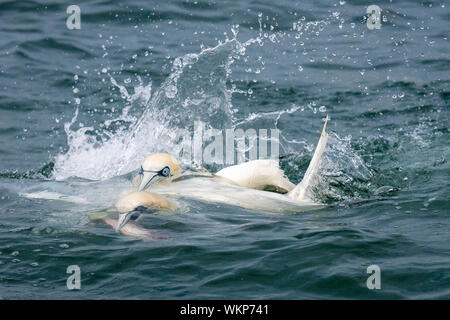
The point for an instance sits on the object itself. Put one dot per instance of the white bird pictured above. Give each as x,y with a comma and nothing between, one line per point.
131,206
129,209
244,185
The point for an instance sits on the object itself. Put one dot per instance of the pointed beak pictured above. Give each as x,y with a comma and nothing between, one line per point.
147,179
123,219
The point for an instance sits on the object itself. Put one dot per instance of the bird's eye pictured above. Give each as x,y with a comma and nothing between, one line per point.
141,171
165,172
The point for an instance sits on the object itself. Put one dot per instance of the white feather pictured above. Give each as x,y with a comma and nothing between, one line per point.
300,191
258,174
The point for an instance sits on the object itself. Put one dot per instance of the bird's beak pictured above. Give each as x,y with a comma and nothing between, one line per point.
123,220
147,178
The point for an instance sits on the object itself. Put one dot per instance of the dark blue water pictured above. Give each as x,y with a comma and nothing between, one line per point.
80,109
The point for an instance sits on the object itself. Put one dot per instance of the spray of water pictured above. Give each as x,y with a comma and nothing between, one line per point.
199,88
195,90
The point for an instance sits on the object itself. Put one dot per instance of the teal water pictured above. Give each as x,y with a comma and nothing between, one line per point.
80,109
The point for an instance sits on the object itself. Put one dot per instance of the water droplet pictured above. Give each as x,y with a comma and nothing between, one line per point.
171,91
177,63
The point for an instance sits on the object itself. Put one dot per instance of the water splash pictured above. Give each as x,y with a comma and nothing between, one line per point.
196,89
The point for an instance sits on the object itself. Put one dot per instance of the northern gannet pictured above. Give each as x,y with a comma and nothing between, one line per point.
133,204
129,209
246,185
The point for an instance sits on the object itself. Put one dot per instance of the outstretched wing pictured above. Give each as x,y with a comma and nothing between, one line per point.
300,191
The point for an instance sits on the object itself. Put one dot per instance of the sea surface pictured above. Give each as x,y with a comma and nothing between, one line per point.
81,108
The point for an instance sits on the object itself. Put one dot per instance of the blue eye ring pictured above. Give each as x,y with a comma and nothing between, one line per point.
165,172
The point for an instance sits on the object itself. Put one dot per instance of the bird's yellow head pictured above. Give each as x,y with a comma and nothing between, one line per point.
157,167
132,205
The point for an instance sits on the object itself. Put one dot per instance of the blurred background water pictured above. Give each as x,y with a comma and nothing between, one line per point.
80,109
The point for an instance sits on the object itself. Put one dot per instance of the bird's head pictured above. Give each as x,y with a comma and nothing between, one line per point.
132,205
157,167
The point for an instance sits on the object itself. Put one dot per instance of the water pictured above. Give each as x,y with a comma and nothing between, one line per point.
80,109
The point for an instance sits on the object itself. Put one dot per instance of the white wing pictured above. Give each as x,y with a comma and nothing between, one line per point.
258,174
300,191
